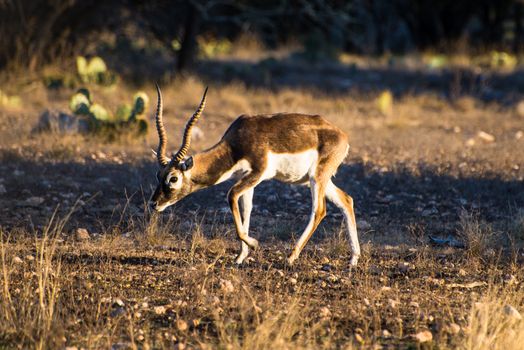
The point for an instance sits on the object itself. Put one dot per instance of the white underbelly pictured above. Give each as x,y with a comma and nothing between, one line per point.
291,167
286,167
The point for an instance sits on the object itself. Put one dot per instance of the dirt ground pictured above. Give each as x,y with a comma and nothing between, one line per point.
444,161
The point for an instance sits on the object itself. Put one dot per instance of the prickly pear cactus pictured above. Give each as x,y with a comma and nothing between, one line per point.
138,114
100,113
94,71
123,113
128,118
140,103
80,102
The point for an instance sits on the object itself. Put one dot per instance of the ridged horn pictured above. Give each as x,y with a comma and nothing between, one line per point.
163,160
186,141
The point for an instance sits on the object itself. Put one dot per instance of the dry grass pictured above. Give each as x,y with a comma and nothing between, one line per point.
478,236
149,289
490,324
30,312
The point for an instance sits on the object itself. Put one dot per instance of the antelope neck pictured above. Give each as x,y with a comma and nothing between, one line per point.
211,164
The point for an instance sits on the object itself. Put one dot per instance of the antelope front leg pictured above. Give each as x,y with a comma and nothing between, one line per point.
240,188
246,201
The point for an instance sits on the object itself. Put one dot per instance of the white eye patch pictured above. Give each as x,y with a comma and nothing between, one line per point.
173,181
170,179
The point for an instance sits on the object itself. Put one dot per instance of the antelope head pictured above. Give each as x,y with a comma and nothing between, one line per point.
174,175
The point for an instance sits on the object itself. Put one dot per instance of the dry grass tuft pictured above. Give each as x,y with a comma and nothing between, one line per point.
30,311
478,236
491,325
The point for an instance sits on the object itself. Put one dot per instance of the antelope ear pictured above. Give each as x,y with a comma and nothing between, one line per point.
186,164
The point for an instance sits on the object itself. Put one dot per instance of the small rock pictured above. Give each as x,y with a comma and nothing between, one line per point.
512,312
117,312
392,303
386,333
429,212
484,136
226,286
518,135
119,302
470,142
181,325
462,272
327,267
160,310
34,201
293,280
81,234
359,338
17,260
363,225
453,328
423,336
325,312
403,267
59,122
29,257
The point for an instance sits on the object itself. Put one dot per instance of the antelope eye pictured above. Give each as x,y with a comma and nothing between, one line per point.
173,179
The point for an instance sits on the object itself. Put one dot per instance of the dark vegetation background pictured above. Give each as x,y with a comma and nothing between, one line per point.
36,33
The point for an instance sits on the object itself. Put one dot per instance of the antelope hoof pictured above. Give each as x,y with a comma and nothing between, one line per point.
240,258
252,243
291,260
354,260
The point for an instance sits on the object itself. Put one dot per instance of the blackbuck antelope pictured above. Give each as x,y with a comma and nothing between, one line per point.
294,148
